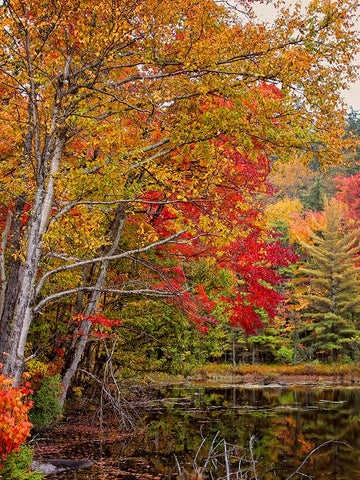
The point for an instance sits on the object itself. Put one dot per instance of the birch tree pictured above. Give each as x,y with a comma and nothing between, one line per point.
102,103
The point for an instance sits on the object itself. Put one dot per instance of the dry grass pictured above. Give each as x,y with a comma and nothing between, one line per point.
340,372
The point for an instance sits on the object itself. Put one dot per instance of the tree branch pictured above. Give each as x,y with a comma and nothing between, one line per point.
105,259
145,291
312,452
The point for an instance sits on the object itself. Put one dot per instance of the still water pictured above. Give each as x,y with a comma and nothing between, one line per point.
275,427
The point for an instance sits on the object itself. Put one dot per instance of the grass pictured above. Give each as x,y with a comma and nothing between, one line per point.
215,372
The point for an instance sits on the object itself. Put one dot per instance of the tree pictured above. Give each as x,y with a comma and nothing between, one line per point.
291,179
333,297
313,199
353,128
283,216
115,107
348,192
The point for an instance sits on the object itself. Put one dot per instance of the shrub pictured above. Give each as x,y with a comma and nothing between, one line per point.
14,424
285,354
47,409
18,466
36,371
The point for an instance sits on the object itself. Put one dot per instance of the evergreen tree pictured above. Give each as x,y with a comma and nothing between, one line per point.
353,128
332,304
313,199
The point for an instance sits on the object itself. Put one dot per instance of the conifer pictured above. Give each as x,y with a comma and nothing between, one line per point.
332,303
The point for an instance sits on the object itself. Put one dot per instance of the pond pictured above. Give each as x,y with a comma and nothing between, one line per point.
228,430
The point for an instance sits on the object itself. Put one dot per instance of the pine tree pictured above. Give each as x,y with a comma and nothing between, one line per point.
332,304
313,199
354,129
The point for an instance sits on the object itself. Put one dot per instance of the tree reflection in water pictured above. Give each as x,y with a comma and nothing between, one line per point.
184,424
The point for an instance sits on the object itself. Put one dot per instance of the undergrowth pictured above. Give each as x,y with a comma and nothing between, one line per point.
18,466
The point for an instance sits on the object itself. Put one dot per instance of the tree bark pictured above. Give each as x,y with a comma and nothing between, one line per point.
12,277
24,308
91,307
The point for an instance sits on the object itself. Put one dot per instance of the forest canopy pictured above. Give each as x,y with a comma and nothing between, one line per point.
137,139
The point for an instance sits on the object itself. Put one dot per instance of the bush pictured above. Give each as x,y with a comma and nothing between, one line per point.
18,466
47,409
285,354
14,424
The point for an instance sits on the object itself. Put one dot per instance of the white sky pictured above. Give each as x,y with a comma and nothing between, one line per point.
352,96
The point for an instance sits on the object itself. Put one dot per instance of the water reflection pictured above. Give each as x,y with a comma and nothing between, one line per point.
286,423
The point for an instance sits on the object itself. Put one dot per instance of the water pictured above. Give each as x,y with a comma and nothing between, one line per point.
282,425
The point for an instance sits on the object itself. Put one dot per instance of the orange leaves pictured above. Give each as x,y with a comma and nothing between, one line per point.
14,424
303,227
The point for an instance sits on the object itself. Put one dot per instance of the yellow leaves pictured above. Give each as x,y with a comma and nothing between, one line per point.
78,234
289,177
286,210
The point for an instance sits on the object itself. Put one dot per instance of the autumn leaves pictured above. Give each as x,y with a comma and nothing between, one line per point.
131,123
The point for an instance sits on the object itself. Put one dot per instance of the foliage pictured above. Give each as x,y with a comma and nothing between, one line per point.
333,296
353,128
37,371
348,192
285,354
14,423
47,408
304,226
155,336
283,211
46,387
291,179
270,345
256,263
313,199
141,140
17,466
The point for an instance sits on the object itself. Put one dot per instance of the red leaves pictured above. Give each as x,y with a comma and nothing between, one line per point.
349,193
228,208
98,321
14,423
255,264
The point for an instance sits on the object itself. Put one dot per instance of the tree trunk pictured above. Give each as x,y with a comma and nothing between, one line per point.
11,281
38,222
91,307
233,347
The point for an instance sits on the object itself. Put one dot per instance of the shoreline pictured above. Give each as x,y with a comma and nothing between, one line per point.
257,376
285,381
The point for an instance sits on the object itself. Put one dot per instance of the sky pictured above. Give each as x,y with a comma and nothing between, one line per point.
352,96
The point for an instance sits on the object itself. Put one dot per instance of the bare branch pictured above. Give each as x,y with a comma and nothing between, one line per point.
337,442
145,291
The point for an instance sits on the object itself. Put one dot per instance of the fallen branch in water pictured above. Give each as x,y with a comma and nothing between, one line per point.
222,455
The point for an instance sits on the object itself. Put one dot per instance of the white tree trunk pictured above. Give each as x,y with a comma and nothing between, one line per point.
23,312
